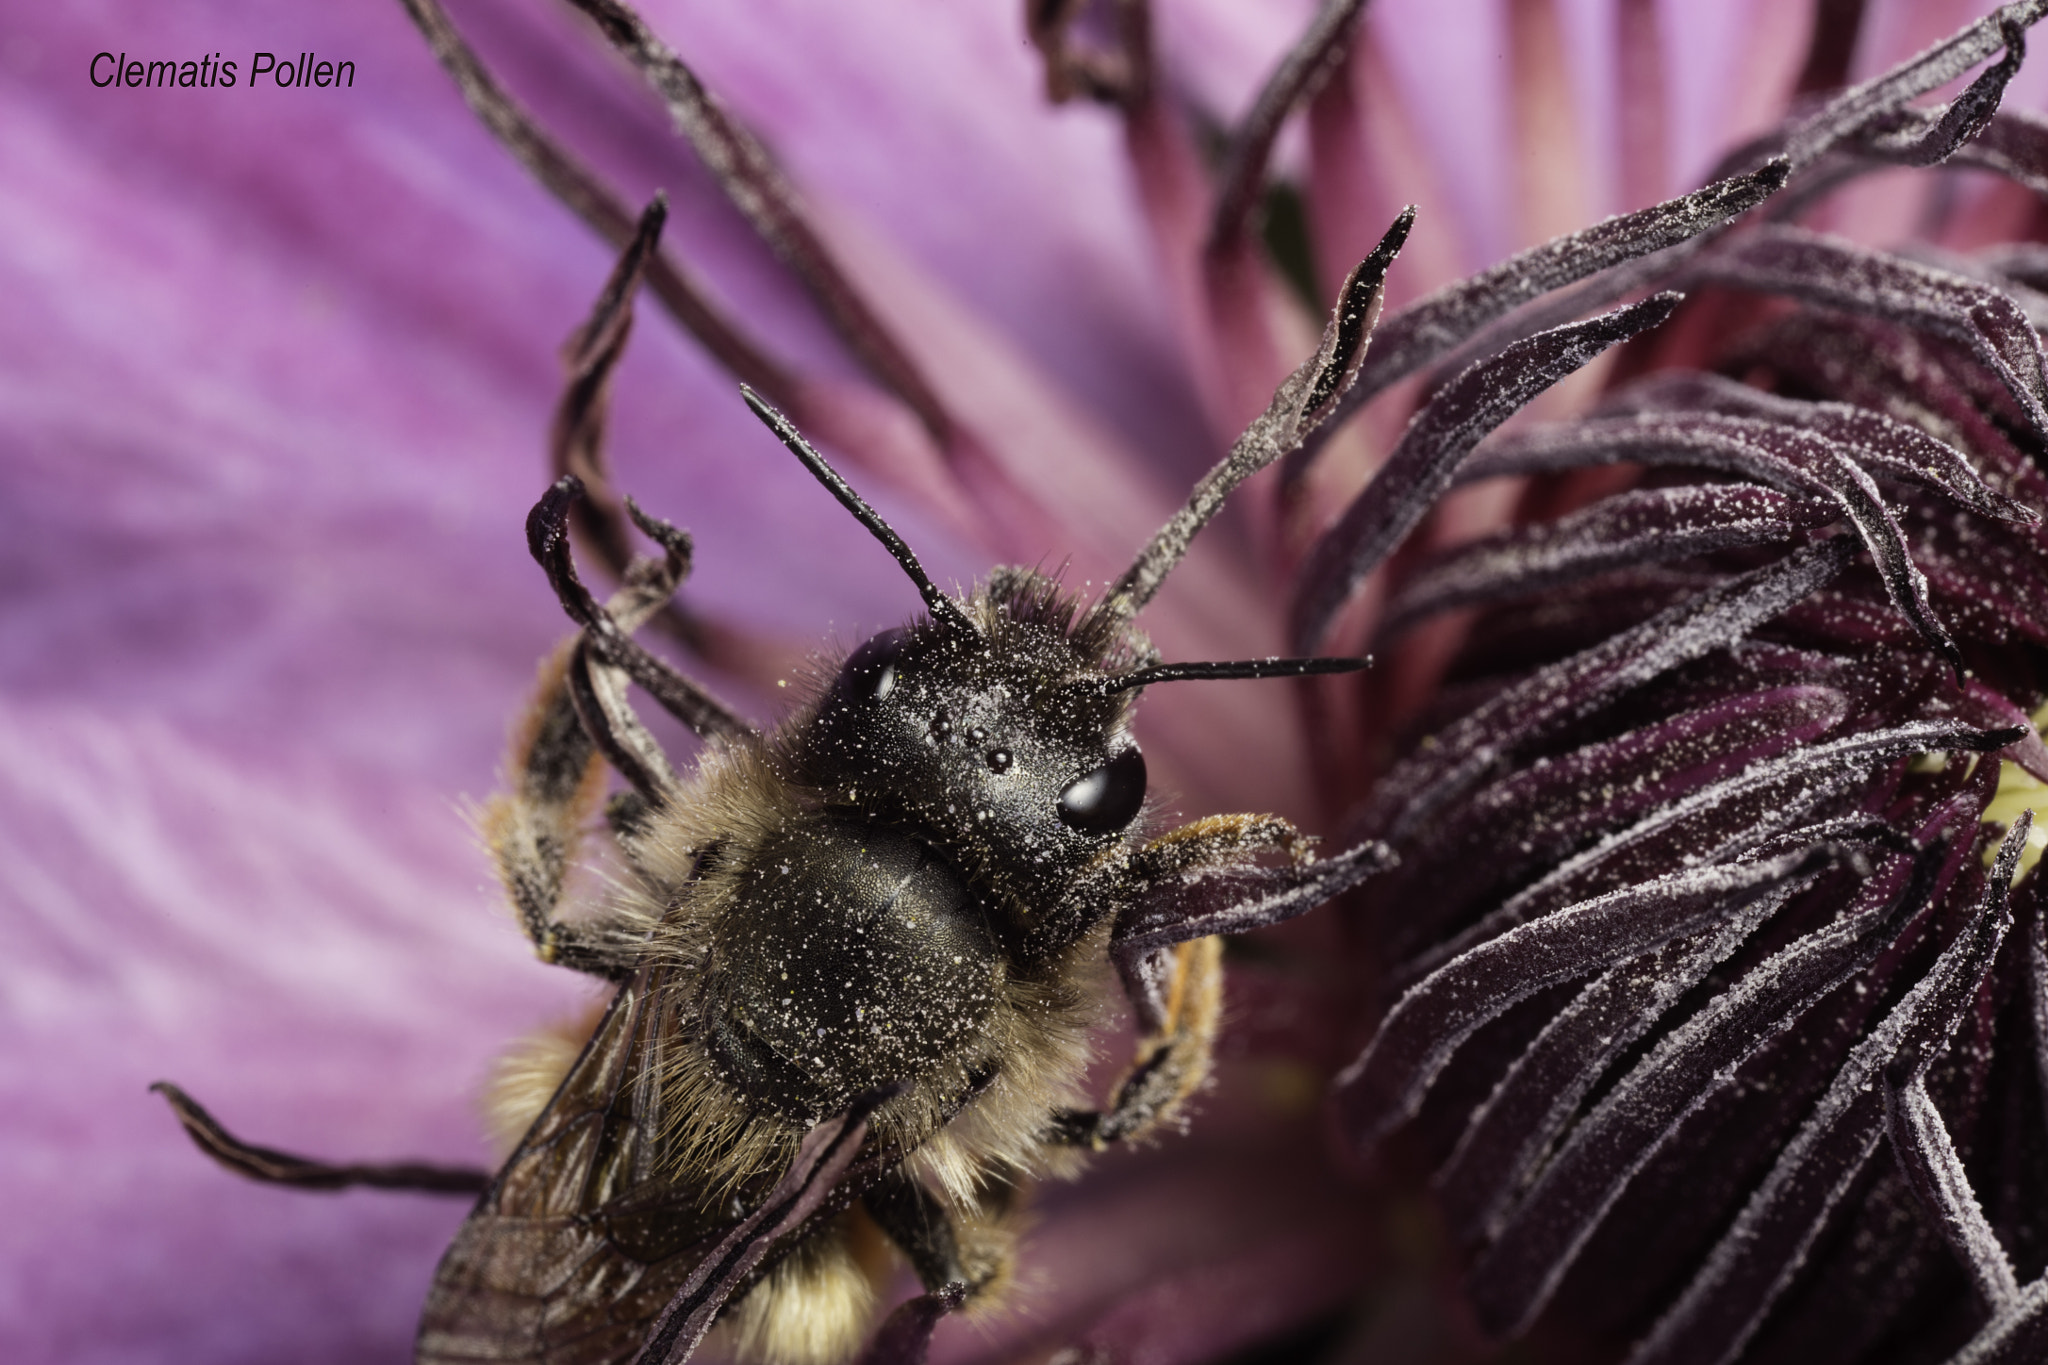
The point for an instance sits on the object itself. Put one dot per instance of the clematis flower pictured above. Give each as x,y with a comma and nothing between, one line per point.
278,386
1721,1025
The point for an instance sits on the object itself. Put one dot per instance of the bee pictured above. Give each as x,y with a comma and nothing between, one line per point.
856,960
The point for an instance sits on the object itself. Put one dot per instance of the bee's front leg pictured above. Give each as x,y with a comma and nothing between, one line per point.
1172,1061
915,1220
556,777
579,720
1179,991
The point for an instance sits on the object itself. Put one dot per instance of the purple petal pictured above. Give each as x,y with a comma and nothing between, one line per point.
310,948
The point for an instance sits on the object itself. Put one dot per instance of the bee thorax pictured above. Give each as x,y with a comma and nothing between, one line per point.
853,958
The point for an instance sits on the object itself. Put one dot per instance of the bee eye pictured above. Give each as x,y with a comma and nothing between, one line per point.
1107,799
869,673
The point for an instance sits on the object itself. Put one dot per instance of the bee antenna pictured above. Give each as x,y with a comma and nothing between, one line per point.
1242,668
945,611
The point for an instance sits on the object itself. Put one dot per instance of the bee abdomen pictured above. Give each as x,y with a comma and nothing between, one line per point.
853,957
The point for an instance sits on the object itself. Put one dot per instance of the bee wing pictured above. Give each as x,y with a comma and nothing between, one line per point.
581,1241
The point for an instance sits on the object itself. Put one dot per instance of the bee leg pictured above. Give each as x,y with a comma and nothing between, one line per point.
609,636
919,1226
1176,989
1172,1060
1202,880
273,1167
579,718
533,830
598,694
1189,856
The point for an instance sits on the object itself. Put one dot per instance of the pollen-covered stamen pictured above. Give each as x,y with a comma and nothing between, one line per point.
917,466
1479,316
1430,329
2014,144
1421,785
1201,902
1439,438
1752,1264
1836,274
1786,456
577,187
1889,449
904,1338
1505,831
1536,1237
1921,1143
1386,1085
1649,526
1304,401
1888,369
1870,106
2020,793
577,447
1088,55
758,190
1509,1135
1624,256
1718,822
1951,133
1320,50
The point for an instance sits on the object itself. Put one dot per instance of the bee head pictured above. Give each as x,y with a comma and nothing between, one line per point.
1001,748
995,731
